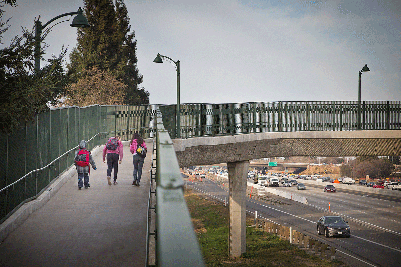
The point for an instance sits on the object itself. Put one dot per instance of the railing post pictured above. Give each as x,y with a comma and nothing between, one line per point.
388,115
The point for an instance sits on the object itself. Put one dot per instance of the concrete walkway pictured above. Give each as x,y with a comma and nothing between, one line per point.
100,226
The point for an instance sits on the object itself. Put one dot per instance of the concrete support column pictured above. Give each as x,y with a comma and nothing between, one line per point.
237,176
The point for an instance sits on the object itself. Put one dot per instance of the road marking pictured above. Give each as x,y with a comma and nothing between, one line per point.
307,221
356,258
373,242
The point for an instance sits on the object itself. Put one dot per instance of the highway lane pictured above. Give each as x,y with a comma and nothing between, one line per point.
374,211
366,247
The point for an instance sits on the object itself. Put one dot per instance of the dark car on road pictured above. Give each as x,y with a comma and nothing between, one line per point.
333,226
301,186
329,188
370,184
363,182
325,179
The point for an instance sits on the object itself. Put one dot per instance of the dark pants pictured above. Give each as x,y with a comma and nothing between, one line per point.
84,176
112,162
138,164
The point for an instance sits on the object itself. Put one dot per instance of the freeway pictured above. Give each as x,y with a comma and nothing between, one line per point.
375,223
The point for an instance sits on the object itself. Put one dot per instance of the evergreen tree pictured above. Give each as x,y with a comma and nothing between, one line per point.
25,93
96,46
130,74
108,46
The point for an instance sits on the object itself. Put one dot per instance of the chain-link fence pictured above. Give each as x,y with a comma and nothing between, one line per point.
38,153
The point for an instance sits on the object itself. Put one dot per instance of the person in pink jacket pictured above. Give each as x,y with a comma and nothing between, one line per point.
136,146
114,151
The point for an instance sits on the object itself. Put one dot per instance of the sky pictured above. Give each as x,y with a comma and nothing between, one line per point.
235,51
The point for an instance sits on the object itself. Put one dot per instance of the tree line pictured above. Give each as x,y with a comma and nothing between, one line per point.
374,167
102,68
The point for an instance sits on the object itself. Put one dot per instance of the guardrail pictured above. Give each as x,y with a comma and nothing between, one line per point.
176,241
283,116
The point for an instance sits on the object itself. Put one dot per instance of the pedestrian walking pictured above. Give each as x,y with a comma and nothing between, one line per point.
114,152
138,149
83,158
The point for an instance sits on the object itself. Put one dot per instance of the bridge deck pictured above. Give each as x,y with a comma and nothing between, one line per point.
100,226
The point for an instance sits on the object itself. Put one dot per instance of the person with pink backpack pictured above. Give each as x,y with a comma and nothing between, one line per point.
114,151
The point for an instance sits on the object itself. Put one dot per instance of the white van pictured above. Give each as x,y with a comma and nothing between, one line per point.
347,180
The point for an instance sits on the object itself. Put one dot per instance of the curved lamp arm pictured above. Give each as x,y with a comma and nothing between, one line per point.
82,22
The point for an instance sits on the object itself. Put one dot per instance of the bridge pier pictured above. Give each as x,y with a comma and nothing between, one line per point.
237,177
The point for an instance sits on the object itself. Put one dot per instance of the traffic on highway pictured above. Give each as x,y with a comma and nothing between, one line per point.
367,229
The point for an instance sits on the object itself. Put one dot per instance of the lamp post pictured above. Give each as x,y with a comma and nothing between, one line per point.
159,59
78,21
364,69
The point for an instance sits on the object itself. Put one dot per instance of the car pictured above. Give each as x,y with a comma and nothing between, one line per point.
325,179
370,184
329,188
363,182
293,182
333,226
301,186
274,182
393,185
287,184
262,180
378,185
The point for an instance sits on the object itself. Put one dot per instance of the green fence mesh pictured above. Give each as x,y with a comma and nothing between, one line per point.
38,153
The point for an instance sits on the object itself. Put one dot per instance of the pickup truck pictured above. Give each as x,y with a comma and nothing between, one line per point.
274,182
263,180
394,186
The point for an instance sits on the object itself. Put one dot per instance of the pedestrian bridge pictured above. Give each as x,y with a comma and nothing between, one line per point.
208,134
212,150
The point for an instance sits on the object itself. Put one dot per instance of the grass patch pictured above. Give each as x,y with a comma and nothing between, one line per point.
211,222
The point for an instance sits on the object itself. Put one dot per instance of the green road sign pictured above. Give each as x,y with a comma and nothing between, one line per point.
272,164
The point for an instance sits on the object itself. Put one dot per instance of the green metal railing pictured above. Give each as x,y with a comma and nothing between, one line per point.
286,116
176,241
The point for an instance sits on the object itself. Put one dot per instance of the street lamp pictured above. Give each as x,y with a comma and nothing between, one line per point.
78,21
364,69
159,59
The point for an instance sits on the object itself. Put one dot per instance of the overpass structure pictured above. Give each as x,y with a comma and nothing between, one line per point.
212,150
237,151
210,133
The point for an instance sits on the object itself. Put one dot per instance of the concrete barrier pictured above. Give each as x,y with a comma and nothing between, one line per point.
287,195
